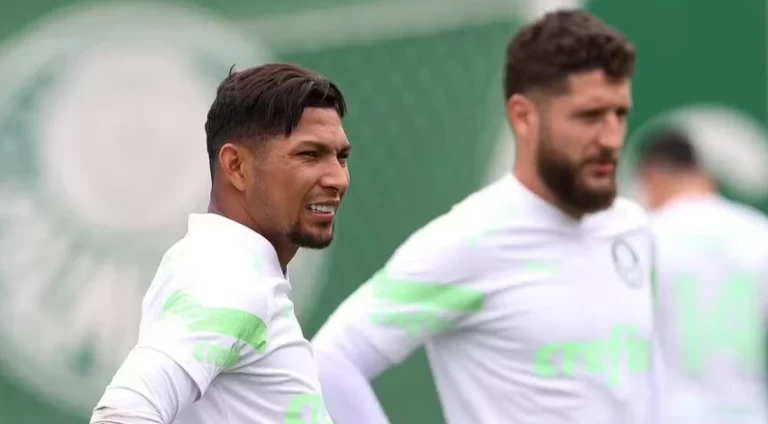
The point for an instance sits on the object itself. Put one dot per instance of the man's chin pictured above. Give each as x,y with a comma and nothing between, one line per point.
317,244
591,201
309,240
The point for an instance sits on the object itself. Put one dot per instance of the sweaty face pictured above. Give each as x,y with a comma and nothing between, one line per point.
303,179
580,139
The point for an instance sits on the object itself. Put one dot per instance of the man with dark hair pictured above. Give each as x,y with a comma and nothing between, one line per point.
532,295
219,341
712,276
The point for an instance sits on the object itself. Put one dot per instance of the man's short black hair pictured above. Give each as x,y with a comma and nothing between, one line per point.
544,53
669,148
267,101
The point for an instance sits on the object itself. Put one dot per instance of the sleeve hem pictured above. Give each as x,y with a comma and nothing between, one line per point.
189,365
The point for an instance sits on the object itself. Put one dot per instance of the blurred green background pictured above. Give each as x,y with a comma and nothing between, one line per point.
102,154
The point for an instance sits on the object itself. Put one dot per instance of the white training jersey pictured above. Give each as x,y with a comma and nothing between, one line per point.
713,271
528,316
219,306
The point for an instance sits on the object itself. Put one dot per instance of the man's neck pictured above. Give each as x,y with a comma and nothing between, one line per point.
285,249
686,188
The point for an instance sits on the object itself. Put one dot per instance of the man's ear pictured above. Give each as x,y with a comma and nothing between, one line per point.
523,116
233,164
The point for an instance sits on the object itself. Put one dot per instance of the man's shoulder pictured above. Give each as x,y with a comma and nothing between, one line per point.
443,237
192,264
446,246
751,218
697,213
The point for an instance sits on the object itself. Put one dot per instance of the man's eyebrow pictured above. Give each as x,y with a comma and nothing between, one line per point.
311,143
322,146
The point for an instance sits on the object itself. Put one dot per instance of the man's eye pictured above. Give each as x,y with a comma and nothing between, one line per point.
591,115
309,154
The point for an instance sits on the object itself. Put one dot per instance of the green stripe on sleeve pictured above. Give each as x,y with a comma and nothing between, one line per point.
238,324
426,294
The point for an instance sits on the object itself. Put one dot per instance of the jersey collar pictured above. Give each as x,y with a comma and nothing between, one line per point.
225,230
541,209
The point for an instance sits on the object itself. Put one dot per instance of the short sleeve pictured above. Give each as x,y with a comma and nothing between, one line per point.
426,288
211,326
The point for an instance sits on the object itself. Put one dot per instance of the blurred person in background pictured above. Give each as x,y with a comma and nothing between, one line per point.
532,295
219,341
712,276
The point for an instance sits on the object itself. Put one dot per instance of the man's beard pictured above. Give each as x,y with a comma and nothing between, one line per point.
307,239
563,178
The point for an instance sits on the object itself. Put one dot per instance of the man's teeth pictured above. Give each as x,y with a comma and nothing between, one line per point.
321,208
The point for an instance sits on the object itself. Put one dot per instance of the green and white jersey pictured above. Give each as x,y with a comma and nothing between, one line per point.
527,315
219,307
713,277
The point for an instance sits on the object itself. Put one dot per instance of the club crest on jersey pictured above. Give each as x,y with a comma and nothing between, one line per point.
626,263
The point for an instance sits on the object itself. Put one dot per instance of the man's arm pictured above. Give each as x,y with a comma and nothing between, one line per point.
424,289
200,331
149,388
344,376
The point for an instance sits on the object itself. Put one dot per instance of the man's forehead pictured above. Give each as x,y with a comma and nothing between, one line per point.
597,99
596,95
322,138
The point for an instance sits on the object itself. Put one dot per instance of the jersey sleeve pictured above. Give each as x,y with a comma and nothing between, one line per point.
149,387
427,287
217,323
